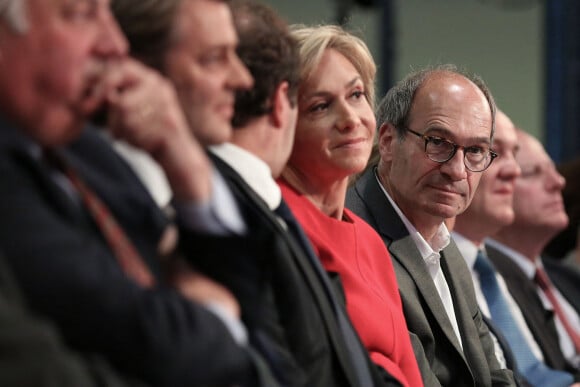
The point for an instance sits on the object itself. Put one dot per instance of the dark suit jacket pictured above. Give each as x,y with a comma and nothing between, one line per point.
566,277
296,304
539,320
68,273
32,353
440,358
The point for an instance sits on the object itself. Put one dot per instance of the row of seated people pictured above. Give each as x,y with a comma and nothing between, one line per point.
257,265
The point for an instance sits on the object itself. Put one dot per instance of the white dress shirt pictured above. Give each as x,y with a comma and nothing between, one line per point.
469,251
431,254
219,215
255,172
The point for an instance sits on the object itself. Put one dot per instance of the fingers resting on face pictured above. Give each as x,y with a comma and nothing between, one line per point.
142,106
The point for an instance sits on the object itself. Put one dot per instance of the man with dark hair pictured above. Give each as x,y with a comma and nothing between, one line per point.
266,48
179,39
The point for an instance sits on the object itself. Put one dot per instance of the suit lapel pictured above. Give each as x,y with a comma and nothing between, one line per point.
539,320
459,280
301,261
55,194
406,253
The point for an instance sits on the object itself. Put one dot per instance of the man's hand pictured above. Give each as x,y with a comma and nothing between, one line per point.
145,112
201,289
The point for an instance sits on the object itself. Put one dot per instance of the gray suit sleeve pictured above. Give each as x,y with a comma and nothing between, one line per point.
429,377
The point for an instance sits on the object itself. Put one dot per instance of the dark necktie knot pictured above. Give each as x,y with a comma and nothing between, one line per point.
483,265
284,212
544,283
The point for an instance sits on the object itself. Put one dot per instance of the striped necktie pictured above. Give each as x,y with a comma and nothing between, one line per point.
544,283
123,249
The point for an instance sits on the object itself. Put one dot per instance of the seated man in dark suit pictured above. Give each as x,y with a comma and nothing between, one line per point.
516,252
33,354
489,211
80,232
436,129
565,245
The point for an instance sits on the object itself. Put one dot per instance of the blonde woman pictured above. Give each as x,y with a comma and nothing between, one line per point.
333,141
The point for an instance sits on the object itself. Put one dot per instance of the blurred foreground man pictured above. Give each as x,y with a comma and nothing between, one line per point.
80,232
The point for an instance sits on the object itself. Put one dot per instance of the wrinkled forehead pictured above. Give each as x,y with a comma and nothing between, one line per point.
505,131
453,89
454,103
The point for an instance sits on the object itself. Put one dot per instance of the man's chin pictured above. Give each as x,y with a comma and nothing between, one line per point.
446,210
504,218
218,133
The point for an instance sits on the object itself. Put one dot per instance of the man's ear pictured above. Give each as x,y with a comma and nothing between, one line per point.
280,106
387,138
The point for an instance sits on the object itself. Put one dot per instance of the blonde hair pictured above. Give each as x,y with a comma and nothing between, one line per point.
313,41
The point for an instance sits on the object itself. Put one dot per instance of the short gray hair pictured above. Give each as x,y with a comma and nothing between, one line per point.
394,108
13,12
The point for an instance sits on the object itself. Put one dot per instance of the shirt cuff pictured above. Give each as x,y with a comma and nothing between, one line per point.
219,215
234,326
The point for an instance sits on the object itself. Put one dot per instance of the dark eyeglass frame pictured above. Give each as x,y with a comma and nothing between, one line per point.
429,139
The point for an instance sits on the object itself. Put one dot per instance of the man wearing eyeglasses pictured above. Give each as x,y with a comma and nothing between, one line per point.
435,138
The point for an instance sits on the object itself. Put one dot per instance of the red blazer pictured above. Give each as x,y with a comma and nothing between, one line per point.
353,249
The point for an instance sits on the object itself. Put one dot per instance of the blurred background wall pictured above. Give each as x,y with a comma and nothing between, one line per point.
524,49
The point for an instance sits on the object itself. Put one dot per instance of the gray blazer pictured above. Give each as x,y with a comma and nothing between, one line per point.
440,358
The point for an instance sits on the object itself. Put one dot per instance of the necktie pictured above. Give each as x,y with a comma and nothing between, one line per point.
544,283
355,349
536,372
123,249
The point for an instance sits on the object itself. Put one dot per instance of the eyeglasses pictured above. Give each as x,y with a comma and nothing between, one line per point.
476,158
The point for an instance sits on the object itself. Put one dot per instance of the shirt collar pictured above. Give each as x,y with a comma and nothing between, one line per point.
255,172
440,240
528,267
468,248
